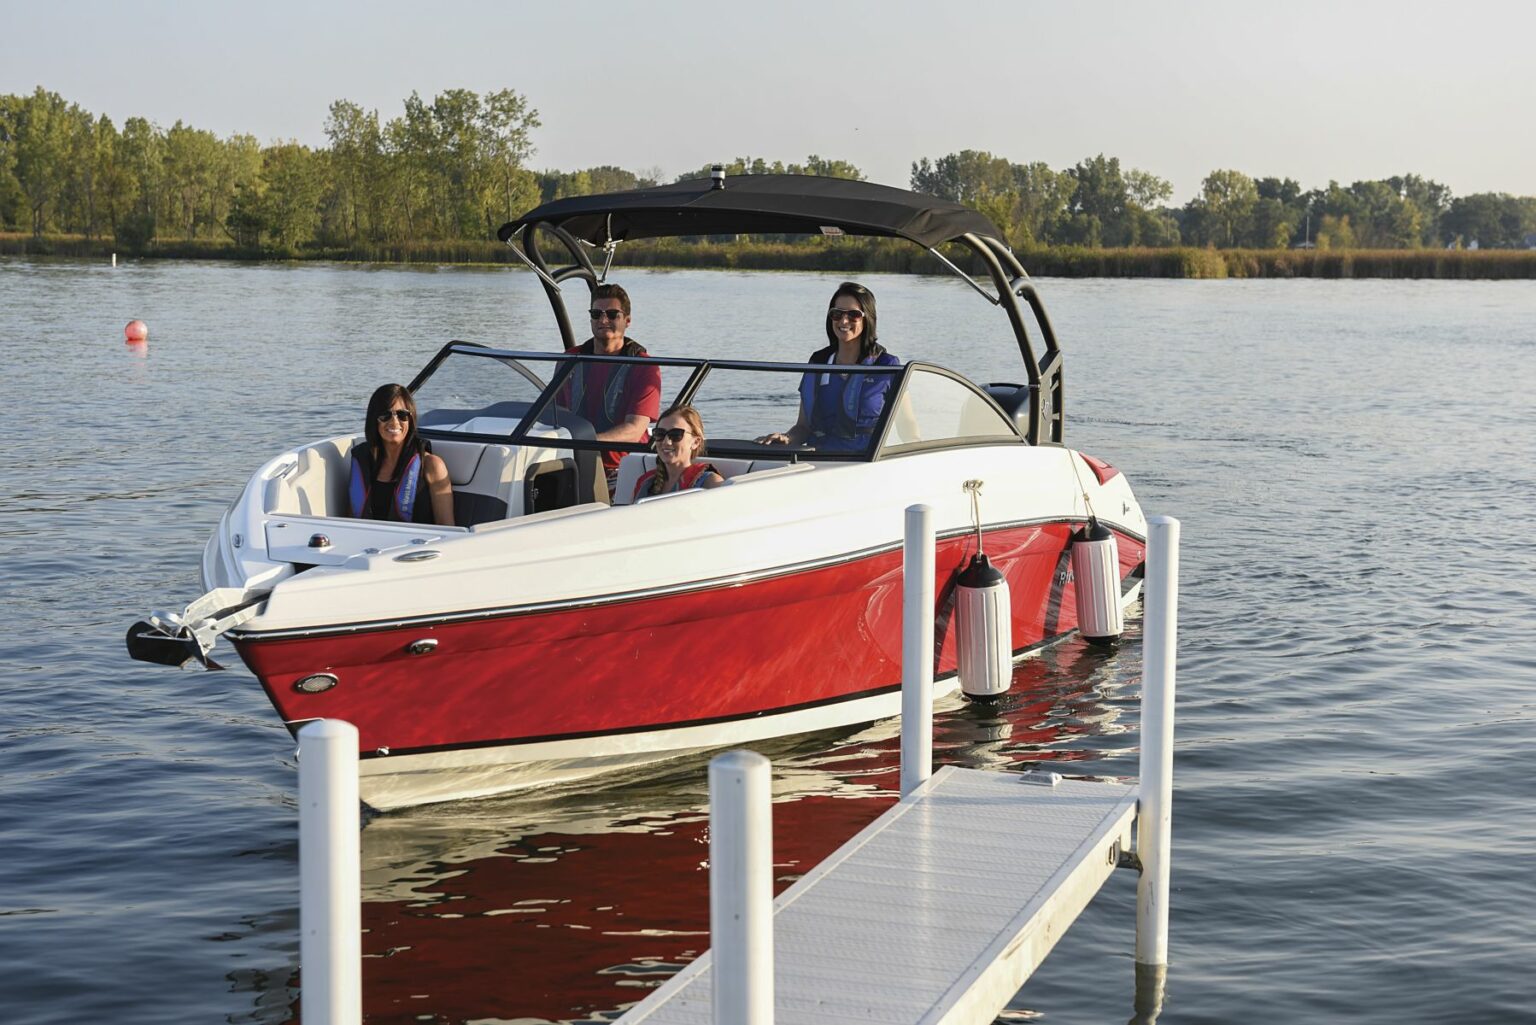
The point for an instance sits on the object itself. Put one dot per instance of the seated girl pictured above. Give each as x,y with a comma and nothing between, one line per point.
678,438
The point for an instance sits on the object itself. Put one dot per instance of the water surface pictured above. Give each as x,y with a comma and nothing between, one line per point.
1353,786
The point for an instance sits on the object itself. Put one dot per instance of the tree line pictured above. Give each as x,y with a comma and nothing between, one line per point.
1099,203
456,167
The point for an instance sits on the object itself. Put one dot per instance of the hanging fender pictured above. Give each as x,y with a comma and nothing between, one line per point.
1096,576
983,630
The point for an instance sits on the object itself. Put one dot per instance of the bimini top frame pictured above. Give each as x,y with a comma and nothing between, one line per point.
795,204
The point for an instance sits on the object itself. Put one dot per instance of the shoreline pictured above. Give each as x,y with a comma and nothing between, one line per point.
859,256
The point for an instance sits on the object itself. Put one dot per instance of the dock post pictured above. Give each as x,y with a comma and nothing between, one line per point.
330,878
741,888
917,575
1154,818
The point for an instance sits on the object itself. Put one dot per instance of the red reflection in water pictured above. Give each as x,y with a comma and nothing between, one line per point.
557,926
571,907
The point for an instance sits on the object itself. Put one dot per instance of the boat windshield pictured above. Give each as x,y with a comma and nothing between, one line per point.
545,399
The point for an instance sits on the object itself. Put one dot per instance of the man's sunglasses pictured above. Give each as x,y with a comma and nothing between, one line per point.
402,415
853,315
605,314
673,434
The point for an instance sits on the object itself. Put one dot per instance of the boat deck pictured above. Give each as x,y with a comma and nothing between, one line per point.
939,910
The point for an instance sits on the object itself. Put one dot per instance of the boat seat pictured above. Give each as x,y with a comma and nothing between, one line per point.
486,477
317,485
1014,399
485,484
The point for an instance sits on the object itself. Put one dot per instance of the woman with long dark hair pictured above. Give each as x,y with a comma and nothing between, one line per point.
395,476
839,411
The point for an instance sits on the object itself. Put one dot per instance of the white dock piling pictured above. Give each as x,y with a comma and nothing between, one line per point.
330,880
1154,820
917,573
741,888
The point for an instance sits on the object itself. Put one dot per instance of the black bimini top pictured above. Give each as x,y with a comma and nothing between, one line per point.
759,203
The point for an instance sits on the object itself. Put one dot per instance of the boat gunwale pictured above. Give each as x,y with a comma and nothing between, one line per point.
245,636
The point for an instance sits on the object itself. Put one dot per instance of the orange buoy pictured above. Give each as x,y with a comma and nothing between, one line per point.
136,331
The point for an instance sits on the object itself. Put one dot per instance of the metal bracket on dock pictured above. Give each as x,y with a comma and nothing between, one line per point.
1040,778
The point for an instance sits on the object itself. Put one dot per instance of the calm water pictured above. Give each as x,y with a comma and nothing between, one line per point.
1354,821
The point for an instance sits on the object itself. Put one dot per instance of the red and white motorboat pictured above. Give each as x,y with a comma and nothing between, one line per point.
552,634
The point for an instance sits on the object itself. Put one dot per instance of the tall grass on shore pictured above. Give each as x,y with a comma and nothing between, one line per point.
865,255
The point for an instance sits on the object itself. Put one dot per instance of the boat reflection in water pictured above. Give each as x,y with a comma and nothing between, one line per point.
571,905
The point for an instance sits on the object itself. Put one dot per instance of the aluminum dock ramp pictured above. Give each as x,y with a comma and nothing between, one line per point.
938,911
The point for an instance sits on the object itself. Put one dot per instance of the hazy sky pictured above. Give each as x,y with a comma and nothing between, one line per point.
1310,90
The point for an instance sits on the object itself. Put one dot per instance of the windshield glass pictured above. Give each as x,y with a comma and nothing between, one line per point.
479,392
521,396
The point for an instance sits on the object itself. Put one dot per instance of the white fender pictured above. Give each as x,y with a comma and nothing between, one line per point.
983,630
1096,572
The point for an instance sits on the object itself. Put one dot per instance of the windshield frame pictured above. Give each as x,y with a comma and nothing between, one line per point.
542,410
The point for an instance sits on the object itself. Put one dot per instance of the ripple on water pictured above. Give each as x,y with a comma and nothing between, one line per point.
1355,742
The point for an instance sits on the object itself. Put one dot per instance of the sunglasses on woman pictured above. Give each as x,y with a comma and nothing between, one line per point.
853,315
402,415
605,314
673,434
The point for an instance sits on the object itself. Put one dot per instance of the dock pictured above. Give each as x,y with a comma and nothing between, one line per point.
936,912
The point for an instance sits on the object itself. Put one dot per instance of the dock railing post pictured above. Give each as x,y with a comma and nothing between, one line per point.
330,880
741,888
1154,817
917,573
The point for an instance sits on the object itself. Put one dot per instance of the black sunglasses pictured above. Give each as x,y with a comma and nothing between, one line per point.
605,314
853,315
673,434
403,415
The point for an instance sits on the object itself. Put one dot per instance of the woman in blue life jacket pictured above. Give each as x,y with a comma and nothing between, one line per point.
395,476
839,411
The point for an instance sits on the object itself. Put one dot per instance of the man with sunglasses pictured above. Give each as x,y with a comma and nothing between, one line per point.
621,400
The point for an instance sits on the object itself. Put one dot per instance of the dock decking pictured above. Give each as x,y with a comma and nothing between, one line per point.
938,911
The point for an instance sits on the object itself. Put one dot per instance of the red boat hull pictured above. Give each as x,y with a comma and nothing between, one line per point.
688,658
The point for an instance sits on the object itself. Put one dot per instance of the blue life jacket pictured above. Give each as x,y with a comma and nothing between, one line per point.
843,418
402,506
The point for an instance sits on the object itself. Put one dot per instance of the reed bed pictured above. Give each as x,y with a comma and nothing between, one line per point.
861,256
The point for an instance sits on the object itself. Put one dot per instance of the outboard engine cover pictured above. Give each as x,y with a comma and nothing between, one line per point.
983,630
1096,571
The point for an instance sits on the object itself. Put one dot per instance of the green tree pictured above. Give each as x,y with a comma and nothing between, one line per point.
191,159
965,177
1271,225
1491,219
826,167
113,195
1335,232
41,146
292,181
139,149
357,162
1430,197
507,123
1100,209
1226,203
76,211
1043,197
